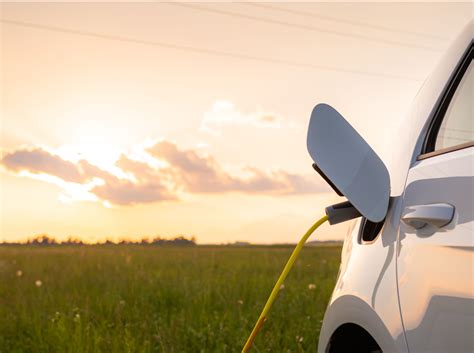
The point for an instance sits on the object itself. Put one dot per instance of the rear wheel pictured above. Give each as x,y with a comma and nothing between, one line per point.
352,338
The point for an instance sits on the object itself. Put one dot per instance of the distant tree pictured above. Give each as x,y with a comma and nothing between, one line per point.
42,240
72,241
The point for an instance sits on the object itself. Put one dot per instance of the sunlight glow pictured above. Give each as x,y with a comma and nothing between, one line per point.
73,191
93,149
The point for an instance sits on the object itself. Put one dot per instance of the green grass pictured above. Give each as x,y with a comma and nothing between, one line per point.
150,299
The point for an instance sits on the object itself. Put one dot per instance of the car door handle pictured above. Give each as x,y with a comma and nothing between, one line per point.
436,214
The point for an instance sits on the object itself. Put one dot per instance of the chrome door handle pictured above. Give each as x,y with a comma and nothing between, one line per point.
436,214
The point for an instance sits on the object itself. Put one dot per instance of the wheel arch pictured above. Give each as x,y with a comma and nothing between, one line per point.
355,314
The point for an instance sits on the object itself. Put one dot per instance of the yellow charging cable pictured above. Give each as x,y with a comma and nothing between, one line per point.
281,279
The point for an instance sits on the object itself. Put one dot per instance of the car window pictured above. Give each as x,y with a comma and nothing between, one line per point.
458,122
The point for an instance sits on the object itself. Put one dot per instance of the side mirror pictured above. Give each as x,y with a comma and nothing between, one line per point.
348,163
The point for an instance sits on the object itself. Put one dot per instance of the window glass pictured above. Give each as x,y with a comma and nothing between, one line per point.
458,123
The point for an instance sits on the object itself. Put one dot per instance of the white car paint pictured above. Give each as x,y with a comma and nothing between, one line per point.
412,289
435,265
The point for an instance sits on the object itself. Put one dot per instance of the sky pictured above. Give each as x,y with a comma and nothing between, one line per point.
123,120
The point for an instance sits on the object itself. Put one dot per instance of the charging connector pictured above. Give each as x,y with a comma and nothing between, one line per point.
341,212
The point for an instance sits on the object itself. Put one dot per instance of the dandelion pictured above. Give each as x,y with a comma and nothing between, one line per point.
19,273
282,287
311,286
38,283
299,339
77,317
56,317
240,301
122,302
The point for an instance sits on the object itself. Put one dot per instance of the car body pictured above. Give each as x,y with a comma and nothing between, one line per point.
405,286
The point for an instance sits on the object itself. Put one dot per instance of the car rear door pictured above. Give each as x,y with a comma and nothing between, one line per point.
435,256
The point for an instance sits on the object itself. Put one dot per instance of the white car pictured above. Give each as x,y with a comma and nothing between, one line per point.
406,281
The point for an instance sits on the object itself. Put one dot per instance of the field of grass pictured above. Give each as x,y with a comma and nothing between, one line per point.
160,299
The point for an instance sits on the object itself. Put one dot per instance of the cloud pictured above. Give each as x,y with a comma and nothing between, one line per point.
39,161
199,174
173,171
148,184
105,186
124,192
223,113
194,173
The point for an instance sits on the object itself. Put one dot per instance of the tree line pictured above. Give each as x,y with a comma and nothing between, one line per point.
47,240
